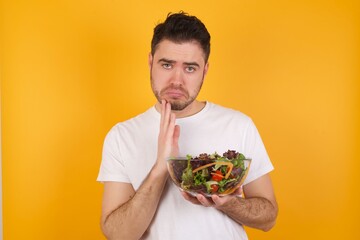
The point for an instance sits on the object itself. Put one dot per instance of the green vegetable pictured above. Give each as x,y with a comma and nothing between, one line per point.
208,185
239,161
187,176
223,182
201,176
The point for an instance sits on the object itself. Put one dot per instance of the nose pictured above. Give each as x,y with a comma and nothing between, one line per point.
178,77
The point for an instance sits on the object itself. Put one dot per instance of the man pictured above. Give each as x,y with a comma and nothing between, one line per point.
139,201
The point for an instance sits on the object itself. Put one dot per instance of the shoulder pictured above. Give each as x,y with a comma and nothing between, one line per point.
219,111
136,123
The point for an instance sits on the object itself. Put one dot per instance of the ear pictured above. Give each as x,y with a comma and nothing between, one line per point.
150,60
206,68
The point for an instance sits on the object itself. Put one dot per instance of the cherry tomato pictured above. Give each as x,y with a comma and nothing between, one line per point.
217,176
214,188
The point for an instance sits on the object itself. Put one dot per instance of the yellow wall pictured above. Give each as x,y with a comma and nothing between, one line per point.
71,69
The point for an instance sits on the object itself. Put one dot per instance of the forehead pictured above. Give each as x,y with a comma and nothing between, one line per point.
180,52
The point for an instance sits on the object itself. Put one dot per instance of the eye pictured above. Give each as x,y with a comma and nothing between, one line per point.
167,66
190,69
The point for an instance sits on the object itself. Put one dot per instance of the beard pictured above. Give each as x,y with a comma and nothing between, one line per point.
177,104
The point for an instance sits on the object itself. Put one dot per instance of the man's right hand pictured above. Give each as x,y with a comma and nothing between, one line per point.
120,199
168,136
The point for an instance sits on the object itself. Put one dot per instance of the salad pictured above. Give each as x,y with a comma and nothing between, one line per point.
213,173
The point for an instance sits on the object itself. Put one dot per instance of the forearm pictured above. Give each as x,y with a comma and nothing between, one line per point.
131,219
254,212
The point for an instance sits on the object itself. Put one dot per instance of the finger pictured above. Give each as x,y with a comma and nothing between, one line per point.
168,129
239,192
175,145
176,135
171,125
190,198
221,201
217,200
166,116
162,112
204,201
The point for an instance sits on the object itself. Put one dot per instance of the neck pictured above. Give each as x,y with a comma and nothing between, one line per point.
193,108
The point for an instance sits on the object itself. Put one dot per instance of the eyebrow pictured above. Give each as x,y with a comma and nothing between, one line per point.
173,61
166,60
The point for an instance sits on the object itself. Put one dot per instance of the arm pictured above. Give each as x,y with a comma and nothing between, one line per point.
258,210
126,213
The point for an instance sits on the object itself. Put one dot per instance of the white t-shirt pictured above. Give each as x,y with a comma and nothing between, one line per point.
130,151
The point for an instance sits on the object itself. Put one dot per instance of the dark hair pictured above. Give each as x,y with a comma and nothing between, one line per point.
181,27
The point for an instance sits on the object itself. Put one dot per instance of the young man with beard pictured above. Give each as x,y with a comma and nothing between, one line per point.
139,200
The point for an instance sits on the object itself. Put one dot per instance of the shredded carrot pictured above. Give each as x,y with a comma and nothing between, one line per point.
229,172
229,164
203,166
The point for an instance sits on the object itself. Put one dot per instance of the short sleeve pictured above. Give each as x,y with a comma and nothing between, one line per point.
112,167
255,150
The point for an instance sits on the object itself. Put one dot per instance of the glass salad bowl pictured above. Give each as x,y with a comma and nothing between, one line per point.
209,174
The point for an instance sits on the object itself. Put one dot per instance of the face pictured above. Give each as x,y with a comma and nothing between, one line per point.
177,71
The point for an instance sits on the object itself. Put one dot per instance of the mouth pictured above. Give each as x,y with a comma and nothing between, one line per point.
175,93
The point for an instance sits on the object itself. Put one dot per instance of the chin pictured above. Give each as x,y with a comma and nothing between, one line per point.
179,105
